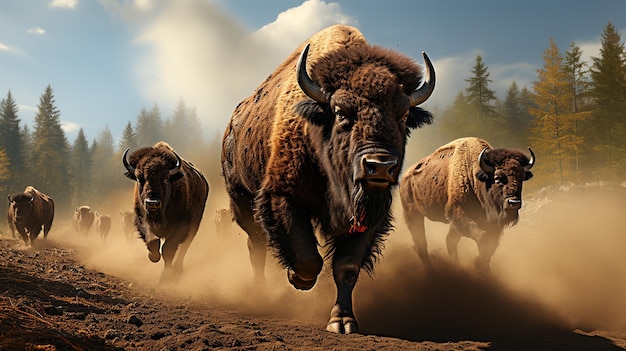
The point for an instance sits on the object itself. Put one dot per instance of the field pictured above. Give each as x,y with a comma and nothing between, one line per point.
558,282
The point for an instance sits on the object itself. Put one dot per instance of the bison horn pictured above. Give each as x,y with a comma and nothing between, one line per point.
531,162
483,164
128,167
308,86
424,91
176,167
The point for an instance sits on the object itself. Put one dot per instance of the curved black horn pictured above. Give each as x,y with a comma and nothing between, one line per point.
176,167
483,164
423,92
308,86
128,167
531,162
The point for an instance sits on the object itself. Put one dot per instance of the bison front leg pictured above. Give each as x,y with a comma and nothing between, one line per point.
418,231
487,243
350,254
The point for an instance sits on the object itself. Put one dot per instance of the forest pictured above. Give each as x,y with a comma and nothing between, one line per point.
573,117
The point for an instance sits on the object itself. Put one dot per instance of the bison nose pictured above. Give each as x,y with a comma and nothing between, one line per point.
153,204
514,203
380,170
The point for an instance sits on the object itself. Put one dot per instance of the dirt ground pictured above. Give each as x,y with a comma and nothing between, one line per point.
558,282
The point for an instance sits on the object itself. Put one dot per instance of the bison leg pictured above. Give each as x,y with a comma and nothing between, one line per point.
182,252
24,235
487,244
350,253
452,242
418,232
257,243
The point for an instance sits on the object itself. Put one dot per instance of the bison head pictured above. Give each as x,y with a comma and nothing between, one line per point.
504,171
84,215
22,205
364,104
153,169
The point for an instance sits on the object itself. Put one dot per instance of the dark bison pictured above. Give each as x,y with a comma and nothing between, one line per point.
83,219
29,212
128,223
103,225
467,183
223,221
320,154
170,195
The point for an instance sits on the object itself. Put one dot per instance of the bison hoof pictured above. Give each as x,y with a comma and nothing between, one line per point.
299,283
342,325
154,256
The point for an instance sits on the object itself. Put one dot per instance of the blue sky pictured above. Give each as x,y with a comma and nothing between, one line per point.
108,59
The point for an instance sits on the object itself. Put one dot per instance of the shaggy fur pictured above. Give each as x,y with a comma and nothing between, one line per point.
450,186
83,220
29,212
292,165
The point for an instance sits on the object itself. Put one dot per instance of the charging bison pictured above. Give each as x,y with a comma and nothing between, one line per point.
29,212
127,223
170,195
83,220
471,186
320,154
103,225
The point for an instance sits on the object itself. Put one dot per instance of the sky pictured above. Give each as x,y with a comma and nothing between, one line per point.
106,60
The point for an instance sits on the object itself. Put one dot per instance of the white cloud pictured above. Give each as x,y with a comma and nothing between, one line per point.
199,53
4,47
64,4
36,31
69,127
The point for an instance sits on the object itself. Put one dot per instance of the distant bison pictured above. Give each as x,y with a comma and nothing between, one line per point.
223,221
320,154
83,220
103,225
29,212
467,183
128,223
170,195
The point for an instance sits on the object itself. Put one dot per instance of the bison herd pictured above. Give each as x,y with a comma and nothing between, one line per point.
310,160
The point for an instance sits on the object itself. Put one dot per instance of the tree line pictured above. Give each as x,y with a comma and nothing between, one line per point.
573,117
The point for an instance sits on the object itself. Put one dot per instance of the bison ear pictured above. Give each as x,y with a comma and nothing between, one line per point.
314,112
418,117
528,175
176,176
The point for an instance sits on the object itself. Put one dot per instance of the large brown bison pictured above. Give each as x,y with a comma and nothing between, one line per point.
170,195
29,212
320,154
467,183
83,219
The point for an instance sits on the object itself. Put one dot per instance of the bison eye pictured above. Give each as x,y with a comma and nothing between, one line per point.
500,179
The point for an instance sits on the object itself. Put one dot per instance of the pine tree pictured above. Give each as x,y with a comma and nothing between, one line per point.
10,138
608,75
478,94
5,187
106,170
552,135
128,139
149,127
80,170
516,117
50,150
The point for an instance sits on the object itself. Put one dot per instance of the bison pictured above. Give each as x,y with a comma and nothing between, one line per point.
128,223
222,221
29,212
169,199
83,220
471,186
103,225
312,158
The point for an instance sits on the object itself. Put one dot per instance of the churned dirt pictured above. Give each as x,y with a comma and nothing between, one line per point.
558,282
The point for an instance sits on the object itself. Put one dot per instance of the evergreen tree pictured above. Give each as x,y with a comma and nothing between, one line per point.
183,131
149,127
28,177
50,150
128,139
478,94
80,170
5,187
575,70
552,136
106,169
608,75
10,138
455,122
516,117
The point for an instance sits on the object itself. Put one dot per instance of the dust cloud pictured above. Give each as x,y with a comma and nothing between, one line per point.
562,267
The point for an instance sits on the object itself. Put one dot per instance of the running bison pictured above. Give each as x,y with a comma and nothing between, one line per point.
170,195
320,154
128,223
29,212
83,220
471,186
103,225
